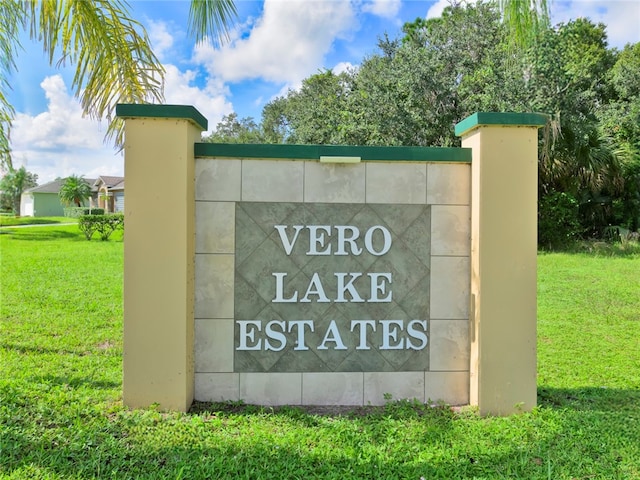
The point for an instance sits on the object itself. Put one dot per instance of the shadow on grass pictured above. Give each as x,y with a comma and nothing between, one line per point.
590,399
44,235
77,382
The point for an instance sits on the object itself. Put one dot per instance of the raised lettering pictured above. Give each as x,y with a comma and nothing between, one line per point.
282,231
350,240
316,238
368,240
363,324
342,288
315,288
378,286
332,335
275,335
389,333
249,334
299,326
416,334
280,290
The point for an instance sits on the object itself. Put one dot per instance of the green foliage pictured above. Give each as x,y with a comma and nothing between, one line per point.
12,184
525,19
234,130
61,412
104,225
558,224
415,89
75,190
110,50
75,212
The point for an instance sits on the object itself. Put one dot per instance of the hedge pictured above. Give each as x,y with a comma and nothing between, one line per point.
105,225
77,212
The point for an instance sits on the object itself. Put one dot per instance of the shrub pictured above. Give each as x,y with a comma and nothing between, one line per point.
105,225
558,224
76,212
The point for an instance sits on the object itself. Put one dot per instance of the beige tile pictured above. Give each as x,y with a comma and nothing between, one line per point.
334,183
449,297
450,230
448,184
396,182
214,286
332,388
271,388
399,385
449,387
217,387
214,345
449,345
272,180
215,227
217,179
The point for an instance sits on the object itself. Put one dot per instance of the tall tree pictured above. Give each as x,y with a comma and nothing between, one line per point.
111,51
13,184
75,190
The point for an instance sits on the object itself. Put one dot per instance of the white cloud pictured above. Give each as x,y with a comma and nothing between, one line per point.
60,141
160,37
286,44
622,17
438,7
210,101
382,8
342,67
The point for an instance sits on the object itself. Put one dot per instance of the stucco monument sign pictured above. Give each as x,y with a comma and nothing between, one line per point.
329,275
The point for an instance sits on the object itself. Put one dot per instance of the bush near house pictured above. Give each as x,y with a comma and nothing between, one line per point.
105,225
76,212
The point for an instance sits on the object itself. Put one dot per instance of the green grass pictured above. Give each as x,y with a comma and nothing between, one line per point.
10,220
61,414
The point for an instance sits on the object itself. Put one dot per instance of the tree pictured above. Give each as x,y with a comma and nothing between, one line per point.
111,51
76,190
525,19
13,184
234,130
414,90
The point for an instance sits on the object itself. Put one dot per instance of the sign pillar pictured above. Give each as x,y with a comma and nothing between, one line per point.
159,254
503,259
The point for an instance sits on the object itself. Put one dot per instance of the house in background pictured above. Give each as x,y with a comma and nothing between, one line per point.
43,200
110,193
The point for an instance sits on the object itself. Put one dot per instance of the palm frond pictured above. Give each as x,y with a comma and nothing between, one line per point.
11,21
111,51
210,19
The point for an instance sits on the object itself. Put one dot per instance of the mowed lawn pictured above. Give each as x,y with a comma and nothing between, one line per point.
61,414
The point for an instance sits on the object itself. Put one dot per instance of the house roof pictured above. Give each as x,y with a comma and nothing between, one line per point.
110,181
54,187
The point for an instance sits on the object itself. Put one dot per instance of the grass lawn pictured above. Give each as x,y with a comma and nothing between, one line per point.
61,414
10,220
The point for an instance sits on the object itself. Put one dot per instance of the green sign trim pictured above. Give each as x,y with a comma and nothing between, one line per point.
314,152
500,119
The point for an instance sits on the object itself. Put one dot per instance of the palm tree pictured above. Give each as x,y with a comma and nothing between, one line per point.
75,189
111,51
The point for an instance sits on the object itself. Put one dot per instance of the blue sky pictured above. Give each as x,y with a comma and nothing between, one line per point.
274,45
